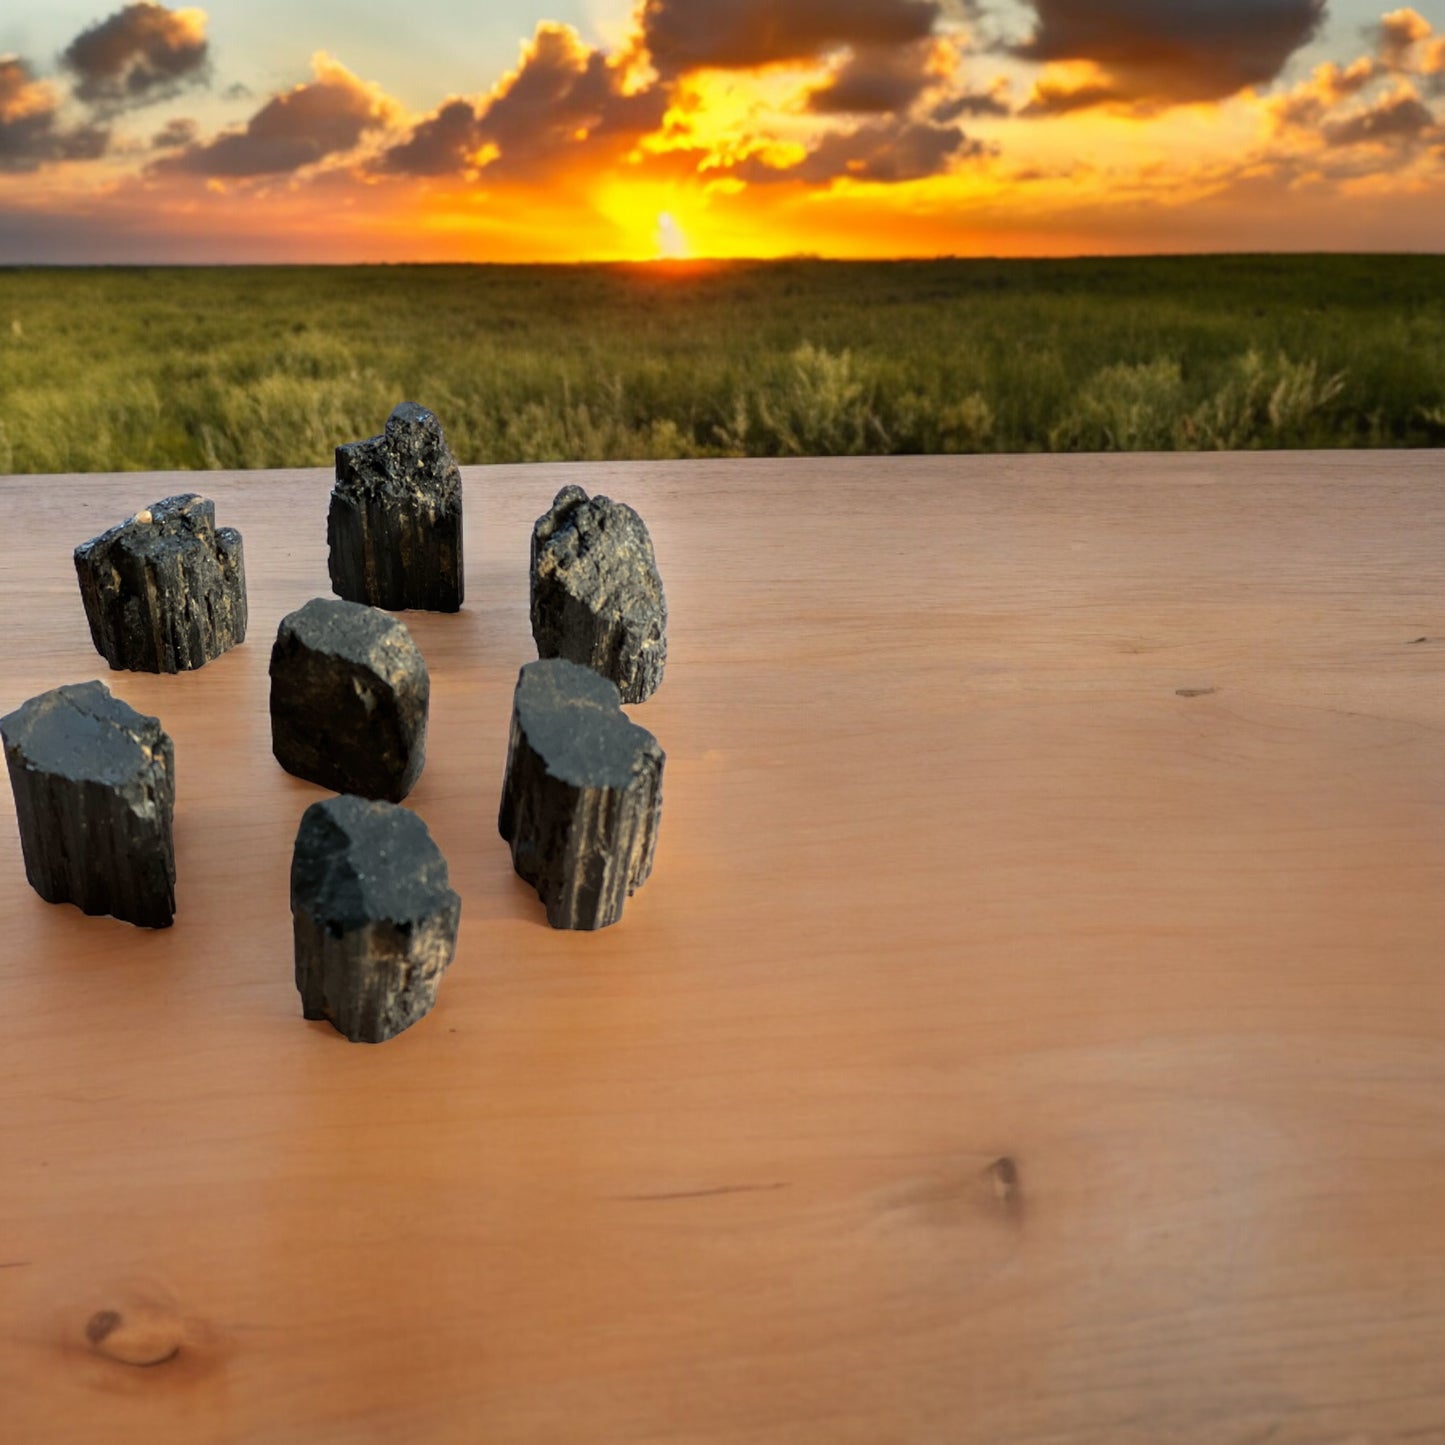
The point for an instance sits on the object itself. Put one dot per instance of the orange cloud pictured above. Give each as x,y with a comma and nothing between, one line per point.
1408,45
181,131
883,80
564,104
1397,119
1400,32
992,101
1307,104
1392,125
889,150
325,117
444,143
684,35
1081,85
31,134
141,54
567,107
1149,55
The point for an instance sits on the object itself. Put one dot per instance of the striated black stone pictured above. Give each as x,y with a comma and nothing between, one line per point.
395,527
374,918
582,796
349,694
94,784
165,591
596,594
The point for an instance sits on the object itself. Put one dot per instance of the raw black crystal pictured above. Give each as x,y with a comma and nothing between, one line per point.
596,593
349,693
374,919
582,795
94,784
165,591
395,528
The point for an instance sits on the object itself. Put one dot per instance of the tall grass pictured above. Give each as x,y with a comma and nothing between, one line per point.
159,368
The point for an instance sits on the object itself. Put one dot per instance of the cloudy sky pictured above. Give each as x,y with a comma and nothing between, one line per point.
349,130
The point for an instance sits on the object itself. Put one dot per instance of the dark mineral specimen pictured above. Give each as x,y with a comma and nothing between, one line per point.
582,795
165,591
596,594
374,919
94,784
395,528
349,692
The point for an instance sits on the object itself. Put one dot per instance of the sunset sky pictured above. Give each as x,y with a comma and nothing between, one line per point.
330,130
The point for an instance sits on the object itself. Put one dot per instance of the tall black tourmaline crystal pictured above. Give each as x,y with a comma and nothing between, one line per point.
349,695
596,594
373,915
94,784
582,795
395,527
165,591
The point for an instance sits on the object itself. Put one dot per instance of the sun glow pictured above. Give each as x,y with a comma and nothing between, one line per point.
671,243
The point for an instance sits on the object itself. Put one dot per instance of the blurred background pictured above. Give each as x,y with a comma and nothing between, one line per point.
678,228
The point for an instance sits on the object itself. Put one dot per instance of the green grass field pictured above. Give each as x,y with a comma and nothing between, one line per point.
115,369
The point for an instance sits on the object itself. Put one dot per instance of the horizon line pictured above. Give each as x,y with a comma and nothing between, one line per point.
685,263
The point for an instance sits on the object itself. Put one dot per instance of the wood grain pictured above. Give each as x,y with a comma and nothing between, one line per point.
1033,1031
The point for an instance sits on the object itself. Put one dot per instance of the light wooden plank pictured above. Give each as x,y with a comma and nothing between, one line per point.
1034,1029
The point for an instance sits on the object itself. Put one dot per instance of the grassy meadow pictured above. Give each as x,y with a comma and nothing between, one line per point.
115,369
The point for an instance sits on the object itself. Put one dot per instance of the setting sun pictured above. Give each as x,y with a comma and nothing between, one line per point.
671,243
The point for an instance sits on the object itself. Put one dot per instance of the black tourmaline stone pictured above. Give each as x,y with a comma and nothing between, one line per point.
95,788
395,528
374,918
582,795
349,692
165,591
596,594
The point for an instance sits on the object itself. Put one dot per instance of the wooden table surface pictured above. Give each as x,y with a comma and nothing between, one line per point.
1033,1030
